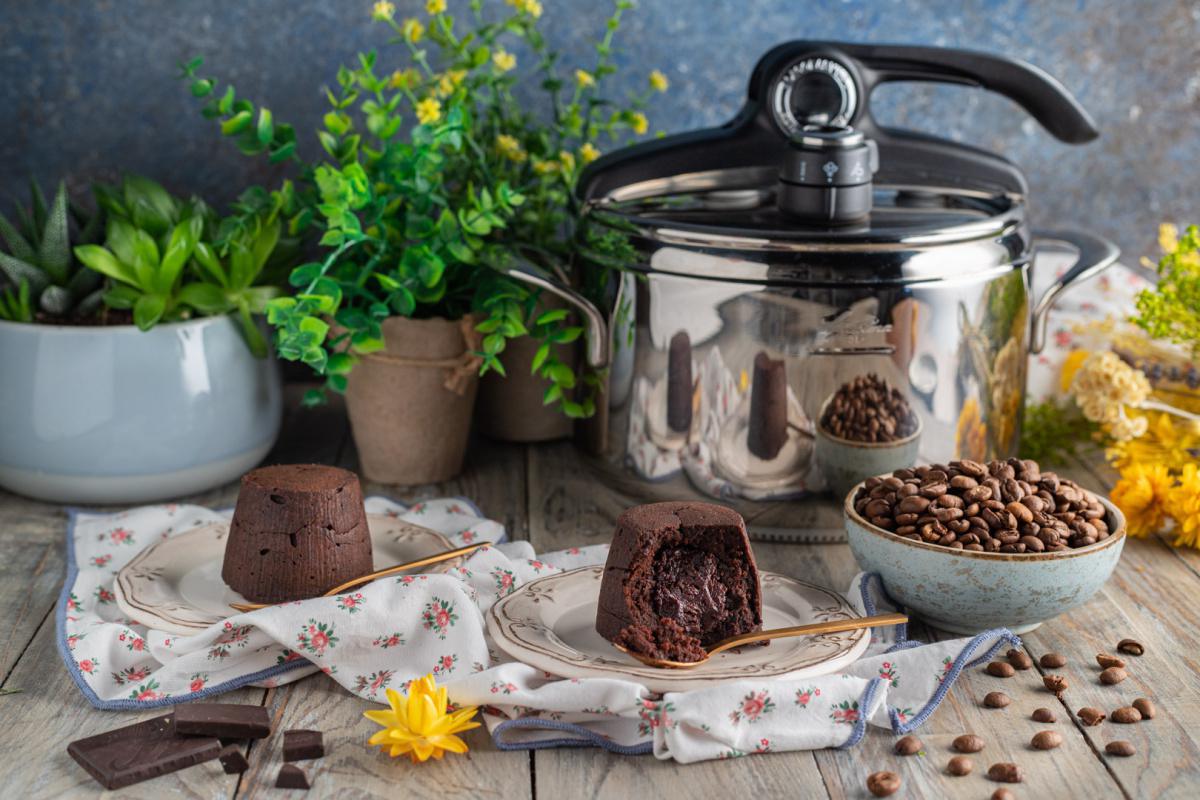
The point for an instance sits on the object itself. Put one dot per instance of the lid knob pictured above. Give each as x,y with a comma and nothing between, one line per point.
827,175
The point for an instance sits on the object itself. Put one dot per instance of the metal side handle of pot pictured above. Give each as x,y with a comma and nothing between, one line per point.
595,328
1096,254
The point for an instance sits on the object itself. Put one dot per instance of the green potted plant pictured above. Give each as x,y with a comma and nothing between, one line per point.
438,198
134,370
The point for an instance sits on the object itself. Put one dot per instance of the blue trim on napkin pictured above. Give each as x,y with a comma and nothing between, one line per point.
583,737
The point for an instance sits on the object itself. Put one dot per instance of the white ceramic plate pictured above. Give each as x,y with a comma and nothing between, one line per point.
550,624
175,586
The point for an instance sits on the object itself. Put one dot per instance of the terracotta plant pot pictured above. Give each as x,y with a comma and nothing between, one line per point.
510,408
410,405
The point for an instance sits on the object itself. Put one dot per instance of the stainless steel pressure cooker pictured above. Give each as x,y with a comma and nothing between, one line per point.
801,252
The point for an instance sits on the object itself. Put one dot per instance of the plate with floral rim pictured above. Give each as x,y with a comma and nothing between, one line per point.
175,585
550,624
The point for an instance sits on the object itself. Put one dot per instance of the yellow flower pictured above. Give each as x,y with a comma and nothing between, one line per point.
531,7
429,110
449,81
510,148
637,121
504,60
404,78
1169,440
435,7
418,725
659,82
413,30
1141,494
584,78
1183,503
383,10
970,434
1070,366
588,153
546,167
1103,386
567,160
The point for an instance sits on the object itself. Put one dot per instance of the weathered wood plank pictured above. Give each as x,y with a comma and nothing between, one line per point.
30,575
49,713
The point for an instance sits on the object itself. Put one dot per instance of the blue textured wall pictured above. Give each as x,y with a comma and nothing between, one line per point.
87,87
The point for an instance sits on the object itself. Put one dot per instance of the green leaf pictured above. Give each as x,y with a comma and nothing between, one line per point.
55,300
340,364
17,245
539,357
207,298
93,256
179,250
54,252
303,275
148,310
315,327
18,270
121,296
145,260
225,104
237,123
279,309
552,393
150,205
552,316
266,128
562,375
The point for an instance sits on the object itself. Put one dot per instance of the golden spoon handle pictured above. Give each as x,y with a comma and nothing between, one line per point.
383,573
833,626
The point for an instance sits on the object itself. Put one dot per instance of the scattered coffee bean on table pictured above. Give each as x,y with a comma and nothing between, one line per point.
1090,716
1052,661
1019,659
1004,507
960,765
1005,772
1046,740
1130,647
1120,748
1000,669
968,743
869,409
996,700
1055,683
883,784
1126,715
1112,676
1003,794
1105,661
908,746
1145,707
1043,715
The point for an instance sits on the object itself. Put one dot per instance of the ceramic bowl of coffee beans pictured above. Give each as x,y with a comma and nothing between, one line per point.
970,546
865,428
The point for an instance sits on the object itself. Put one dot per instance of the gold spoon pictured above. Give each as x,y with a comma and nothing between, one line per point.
833,626
383,573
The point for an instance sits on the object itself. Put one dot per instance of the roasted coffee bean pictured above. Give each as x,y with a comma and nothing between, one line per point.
1000,669
1105,661
1053,661
1032,544
1019,659
1046,740
1120,748
913,504
868,409
963,482
996,700
960,765
1090,716
968,743
932,490
1130,647
1005,772
1126,715
883,784
1003,794
1112,676
1043,715
1055,683
1145,707
908,746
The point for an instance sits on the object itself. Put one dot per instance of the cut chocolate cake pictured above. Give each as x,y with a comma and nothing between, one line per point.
298,531
680,577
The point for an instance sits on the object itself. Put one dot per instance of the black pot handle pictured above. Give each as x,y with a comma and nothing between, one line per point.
758,135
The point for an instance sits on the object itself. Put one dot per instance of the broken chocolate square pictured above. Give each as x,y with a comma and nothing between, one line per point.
291,777
300,745
226,720
232,760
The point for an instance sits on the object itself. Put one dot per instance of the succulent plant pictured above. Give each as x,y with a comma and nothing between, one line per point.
38,258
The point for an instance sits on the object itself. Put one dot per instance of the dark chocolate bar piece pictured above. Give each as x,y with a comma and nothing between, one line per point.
227,720
679,383
291,777
299,745
768,407
232,760
138,752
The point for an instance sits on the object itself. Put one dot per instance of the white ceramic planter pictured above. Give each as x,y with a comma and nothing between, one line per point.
116,415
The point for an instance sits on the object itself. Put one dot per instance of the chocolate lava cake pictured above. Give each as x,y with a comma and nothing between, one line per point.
680,577
298,531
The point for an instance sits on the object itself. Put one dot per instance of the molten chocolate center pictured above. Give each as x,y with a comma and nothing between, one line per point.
687,588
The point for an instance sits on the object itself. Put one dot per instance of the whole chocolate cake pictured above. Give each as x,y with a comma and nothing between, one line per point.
298,531
680,577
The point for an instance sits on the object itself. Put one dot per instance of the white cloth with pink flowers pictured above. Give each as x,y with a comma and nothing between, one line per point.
396,629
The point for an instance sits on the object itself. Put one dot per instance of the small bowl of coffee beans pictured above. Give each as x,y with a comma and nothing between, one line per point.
970,546
864,428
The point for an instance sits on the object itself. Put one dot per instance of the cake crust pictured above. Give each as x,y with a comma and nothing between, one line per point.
680,577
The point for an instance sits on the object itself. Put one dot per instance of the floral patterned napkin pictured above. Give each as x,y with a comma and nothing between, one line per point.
397,629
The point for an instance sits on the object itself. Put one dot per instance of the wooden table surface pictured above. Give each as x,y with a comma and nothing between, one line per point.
551,496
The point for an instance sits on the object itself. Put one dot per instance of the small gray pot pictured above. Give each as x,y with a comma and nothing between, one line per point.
967,592
112,414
